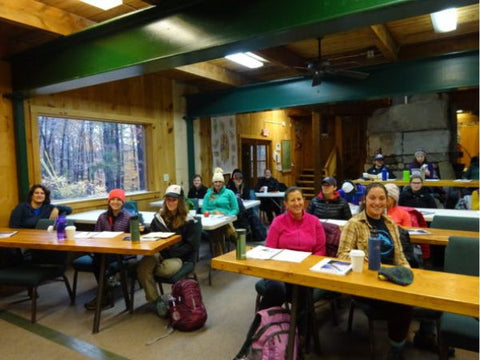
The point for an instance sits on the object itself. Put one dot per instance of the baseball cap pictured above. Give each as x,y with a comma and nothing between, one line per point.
174,191
329,180
348,188
378,157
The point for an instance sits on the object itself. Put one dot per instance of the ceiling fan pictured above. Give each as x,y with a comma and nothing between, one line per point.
319,68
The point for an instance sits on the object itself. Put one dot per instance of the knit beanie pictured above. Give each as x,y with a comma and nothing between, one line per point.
419,152
393,191
117,193
218,175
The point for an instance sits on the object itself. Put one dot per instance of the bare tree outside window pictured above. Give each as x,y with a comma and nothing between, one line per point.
84,158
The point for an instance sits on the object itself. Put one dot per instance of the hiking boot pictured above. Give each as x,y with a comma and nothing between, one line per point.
107,302
394,354
426,342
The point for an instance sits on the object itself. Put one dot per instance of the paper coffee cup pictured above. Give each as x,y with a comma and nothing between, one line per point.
357,257
70,232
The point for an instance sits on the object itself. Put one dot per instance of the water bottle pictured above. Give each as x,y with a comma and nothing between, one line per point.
241,244
61,225
134,229
374,251
173,309
384,174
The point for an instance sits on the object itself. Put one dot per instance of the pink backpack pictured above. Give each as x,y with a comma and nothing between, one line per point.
190,311
268,336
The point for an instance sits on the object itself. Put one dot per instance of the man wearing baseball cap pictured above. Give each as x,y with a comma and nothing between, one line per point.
328,204
352,192
378,165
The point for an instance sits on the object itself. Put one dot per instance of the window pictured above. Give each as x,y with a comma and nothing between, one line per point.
86,159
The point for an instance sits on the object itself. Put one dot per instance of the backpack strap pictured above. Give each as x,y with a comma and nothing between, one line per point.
248,341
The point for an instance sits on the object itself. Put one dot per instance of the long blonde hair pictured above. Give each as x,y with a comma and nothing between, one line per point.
177,219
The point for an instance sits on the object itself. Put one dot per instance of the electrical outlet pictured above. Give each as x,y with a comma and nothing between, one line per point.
166,177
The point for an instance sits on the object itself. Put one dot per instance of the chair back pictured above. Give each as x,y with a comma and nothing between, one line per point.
48,257
43,224
461,255
332,235
455,223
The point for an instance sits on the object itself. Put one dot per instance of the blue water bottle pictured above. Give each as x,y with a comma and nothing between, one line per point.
61,225
384,174
374,251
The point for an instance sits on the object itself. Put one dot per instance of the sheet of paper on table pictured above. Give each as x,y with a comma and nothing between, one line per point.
97,234
265,253
7,234
153,236
418,232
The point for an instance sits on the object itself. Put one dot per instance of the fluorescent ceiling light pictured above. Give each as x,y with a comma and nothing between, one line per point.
247,59
445,20
103,4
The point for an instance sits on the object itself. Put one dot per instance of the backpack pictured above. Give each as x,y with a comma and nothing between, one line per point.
267,338
191,314
332,238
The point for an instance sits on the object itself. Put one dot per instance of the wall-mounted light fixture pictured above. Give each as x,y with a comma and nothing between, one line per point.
247,59
445,20
103,4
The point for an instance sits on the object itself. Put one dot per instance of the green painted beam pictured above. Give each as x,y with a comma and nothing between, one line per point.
190,149
156,39
20,144
444,73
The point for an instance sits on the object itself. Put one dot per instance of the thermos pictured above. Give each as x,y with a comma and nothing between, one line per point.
61,224
241,244
374,251
384,174
134,229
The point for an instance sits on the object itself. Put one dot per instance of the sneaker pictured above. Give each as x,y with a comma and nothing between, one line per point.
161,307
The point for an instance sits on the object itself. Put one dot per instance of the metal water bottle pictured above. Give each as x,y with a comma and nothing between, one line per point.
241,244
134,229
61,224
384,174
374,251
173,309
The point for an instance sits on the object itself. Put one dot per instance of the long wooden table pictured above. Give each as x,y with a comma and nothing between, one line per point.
431,183
439,236
43,240
429,214
430,289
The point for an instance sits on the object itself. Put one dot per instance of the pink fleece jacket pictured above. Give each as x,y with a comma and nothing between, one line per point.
305,235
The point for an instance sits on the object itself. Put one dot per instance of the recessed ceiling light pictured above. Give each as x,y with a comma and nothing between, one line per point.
248,59
445,20
103,4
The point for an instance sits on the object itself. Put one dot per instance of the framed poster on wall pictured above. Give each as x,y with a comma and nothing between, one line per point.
224,143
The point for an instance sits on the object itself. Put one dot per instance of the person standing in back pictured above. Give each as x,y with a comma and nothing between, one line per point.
328,204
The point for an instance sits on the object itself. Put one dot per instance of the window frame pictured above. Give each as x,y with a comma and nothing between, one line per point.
33,146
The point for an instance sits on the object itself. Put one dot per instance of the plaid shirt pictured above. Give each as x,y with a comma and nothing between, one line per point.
355,235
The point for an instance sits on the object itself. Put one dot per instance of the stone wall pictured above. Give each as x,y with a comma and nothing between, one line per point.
420,122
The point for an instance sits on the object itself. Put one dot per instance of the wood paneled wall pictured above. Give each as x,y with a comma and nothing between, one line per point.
8,167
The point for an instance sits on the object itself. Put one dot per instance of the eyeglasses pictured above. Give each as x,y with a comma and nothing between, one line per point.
416,183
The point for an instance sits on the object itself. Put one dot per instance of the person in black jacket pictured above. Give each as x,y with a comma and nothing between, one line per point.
416,195
378,165
172,217
328,204
198,190
268,183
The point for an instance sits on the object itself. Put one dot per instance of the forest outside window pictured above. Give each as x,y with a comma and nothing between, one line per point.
83,159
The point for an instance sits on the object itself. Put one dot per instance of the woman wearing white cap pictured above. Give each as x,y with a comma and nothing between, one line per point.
173,216
220,201
397,214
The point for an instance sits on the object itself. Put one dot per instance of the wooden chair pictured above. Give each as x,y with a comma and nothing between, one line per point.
461,257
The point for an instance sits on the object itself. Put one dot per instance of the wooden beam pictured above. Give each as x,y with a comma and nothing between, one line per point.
34,14
316,151
385,42
437,47
214,72
282,56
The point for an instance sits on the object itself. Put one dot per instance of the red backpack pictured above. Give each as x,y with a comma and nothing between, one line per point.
189,312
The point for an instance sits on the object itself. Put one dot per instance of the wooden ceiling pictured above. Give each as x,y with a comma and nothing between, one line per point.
25,24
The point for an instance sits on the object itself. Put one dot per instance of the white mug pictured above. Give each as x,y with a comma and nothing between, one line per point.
70,232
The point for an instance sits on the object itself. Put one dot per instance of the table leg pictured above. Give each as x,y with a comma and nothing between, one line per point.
293,322
123,279
101,284
217,247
